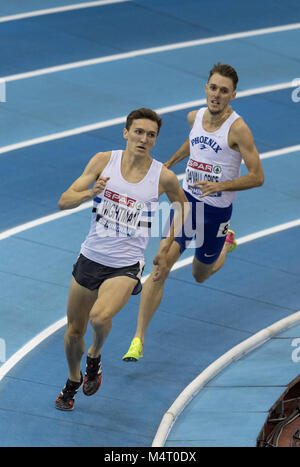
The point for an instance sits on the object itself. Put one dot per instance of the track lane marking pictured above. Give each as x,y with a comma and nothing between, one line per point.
119,120
62,9
39,338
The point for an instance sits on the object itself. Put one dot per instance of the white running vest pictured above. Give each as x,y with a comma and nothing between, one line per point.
211,159
122,215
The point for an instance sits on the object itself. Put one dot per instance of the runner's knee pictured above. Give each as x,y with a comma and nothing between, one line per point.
200,278
99,319
201,274
75,330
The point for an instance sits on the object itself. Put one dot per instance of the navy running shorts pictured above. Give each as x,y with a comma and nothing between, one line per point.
91,275
207,226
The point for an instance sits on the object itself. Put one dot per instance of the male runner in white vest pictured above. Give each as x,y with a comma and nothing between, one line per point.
126,188
218,142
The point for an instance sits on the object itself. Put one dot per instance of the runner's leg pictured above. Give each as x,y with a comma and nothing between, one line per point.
152,294
113,294
80,303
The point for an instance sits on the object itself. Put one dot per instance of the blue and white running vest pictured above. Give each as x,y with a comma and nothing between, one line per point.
212,159
122,216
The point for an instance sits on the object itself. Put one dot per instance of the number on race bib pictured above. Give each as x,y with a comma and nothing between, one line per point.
223,229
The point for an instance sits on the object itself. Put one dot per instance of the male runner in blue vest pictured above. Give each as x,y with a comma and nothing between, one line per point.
218,142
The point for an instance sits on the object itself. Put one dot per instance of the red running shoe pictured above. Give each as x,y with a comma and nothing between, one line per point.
65,400
93,376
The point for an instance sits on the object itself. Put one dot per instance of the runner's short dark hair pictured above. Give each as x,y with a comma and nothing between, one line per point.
143,113
225,70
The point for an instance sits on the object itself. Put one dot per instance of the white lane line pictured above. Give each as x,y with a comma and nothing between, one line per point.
39,338
150,50
61,9
280,152
234,354
43,220
87,205
119,120
23,351
247,238
62,134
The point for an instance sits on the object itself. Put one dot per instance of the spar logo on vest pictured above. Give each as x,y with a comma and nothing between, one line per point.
119,213
205,143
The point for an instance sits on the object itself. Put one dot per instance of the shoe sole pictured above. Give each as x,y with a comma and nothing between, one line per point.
92,393
64,410
72,408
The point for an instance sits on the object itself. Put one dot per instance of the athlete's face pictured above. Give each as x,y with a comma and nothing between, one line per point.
219,91
141,136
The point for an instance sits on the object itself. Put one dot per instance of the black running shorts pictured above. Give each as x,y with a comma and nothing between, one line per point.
91,275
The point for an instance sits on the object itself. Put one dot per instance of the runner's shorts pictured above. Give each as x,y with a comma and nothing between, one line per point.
91,275
207,226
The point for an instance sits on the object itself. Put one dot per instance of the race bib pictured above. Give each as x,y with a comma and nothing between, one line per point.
202,171
119,213
223,229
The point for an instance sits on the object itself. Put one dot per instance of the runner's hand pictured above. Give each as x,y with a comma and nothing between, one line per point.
208,188
99,185
160,270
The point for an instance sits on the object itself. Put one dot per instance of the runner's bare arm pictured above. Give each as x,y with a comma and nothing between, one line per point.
80,190
241,140
179,155
169,184
191,117
184,150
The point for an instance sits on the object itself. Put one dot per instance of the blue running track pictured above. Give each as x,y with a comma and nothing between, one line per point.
51,90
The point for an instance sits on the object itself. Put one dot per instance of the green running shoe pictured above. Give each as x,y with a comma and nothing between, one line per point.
135,351
231,239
